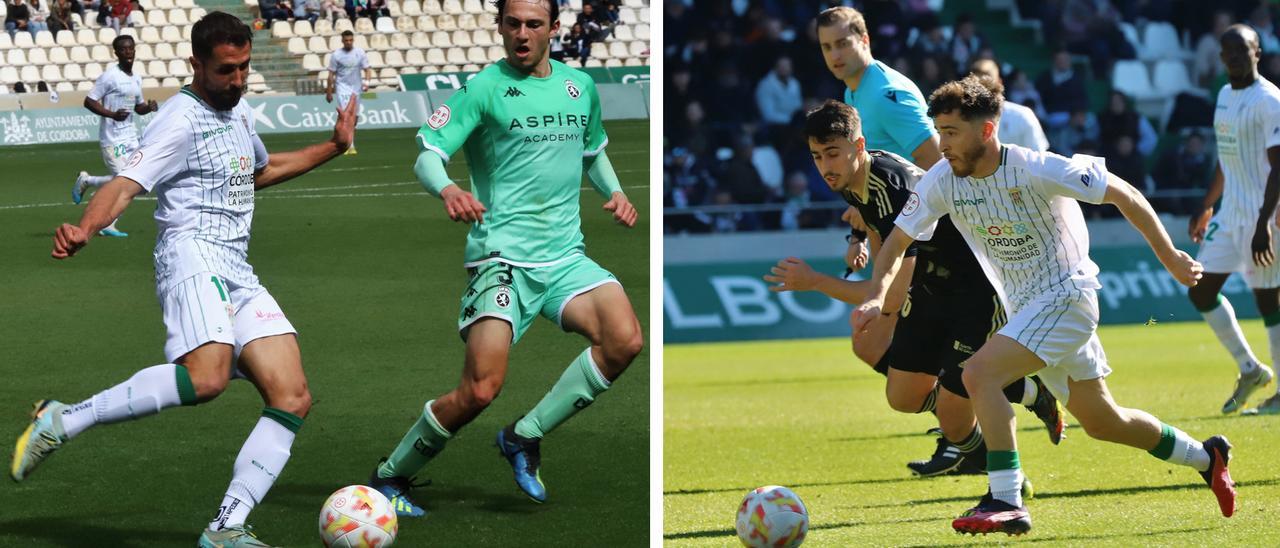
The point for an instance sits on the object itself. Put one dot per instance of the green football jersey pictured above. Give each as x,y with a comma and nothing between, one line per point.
525,139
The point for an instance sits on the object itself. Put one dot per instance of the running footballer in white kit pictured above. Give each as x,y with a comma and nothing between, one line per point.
116,96
346,66
1017,210
1239,237
203,161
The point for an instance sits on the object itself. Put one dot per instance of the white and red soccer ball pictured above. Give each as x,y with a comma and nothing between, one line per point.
357,516
772,516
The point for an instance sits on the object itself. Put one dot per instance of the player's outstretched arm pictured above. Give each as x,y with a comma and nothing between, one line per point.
793,274
1138,211
107,204
888,263
282,166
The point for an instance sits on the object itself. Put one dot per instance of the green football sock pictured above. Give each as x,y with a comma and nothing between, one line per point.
420,444
576,389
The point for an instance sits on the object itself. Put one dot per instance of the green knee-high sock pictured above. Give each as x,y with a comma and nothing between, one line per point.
426,438
576,389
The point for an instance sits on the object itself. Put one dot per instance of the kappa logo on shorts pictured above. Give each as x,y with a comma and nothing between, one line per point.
503,297
439,118
572,89
135,159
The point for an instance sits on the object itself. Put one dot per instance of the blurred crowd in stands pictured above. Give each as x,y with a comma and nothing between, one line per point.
741,74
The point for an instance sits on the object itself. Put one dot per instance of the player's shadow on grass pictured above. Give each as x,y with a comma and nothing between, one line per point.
791,485
71,532
774,382
1031,428
713,533
1086,493
308,496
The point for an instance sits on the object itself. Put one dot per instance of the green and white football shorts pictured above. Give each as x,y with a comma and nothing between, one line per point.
518,294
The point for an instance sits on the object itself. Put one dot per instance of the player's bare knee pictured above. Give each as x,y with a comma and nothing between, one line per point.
621,350
1103,426
974,377
480,394
208,383
903,403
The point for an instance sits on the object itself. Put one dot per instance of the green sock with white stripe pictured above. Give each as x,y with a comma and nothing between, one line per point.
576,389
260,462
420,444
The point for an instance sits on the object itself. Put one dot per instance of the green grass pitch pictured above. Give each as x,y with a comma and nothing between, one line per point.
369,270
807,415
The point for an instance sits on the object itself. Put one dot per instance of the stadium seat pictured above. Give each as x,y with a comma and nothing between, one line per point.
394,58
105,35
178,17
633,62
16,57
150,83
101,54
23,40
58,56
65,38
455,56
1131,78
323,27
84,85
633,3
393,8
627,16
45,39
64,86
297,46
311,63
477,56
132,32
426,23
171,82
1170,78
281,29
469,22
593,62
362,42
178,68
432,7
474,7
385,25
364,25
197,13
29,74
137,19
638,48
601,51
335,42
617,50
400,41
80,54
379,41
164,52
441,39
1160,41
92,71
470,67
452,7
157,69
643,14
342,25
72,73
150,35
9,75
495,53
412,8
435,57
142,52
171,34
387,76
37,57
420,40
302,28
187,4
163,4
623,33
183,50
316,44
414,58
156,18
375,60
186,32
461,39
406,24
6,43
446,23
84,37
613,62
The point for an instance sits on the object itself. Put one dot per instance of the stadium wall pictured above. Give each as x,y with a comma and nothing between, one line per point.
286,113
711,295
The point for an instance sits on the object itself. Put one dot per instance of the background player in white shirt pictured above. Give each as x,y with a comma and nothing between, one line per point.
1018,124
346,65
1238,238
1017,210
204,161
116,96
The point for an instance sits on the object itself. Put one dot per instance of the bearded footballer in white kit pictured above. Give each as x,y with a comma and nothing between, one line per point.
116,96
203,160
346,65
1017,210
1239,237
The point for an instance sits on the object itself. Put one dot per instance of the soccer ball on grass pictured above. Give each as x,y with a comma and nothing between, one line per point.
772,516
358,516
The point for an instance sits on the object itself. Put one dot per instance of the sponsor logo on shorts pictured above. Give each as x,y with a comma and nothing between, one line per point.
961,347
439,118
268,316
502,297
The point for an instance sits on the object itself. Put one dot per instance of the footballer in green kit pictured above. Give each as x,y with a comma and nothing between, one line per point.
529,127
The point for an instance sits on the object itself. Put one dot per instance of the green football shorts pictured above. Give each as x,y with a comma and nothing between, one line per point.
518,294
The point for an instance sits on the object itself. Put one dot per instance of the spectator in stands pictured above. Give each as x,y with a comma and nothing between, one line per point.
1261,21
119,14
272,11
1120,120
18,19
795,213
1208,65
697,136
1082,127
593,24
60,18
39,16
1124,160
557,47
1270,67
965,42
1062,90
612,11
373,9
1181,176
19,87
332,9
728,100
308,10
931,74
42,87
732,221
778,94
740,177
1018,89
930,43
577,45
1092,28
1018,124
686,184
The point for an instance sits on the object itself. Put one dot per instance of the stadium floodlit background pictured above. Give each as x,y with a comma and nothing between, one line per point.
761,388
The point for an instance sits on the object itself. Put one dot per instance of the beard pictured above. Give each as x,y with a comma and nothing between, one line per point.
966,161
226,99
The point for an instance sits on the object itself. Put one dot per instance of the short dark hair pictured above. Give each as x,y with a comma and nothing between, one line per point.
501,5
217,28
347,33
850,17
968,95
832,120
119,40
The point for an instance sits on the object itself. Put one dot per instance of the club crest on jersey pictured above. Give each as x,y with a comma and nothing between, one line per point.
502,297
135,159
439,118
1015,194
572,89
913,203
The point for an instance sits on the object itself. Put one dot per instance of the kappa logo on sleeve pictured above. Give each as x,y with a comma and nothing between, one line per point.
439,118
135,159
913,203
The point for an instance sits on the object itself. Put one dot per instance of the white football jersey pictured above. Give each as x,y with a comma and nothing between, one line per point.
200,163
1022,222
1019,126
348,67
1247,122
117,90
